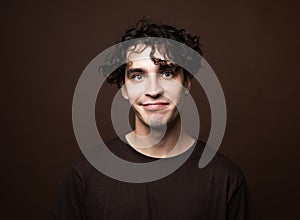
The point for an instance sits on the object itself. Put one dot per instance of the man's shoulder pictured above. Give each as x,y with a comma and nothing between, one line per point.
80,164
223,167
220,165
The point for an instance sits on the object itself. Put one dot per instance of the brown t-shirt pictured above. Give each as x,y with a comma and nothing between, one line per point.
217,191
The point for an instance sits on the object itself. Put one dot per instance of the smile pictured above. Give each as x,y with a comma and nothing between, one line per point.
155,106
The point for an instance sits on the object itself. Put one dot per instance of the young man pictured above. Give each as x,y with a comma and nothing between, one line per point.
156,88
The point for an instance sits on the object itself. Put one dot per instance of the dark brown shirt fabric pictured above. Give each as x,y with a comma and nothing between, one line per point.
215,192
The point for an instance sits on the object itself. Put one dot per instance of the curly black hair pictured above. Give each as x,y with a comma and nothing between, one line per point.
146,29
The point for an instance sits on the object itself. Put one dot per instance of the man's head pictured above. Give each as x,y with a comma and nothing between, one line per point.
154,89
150,78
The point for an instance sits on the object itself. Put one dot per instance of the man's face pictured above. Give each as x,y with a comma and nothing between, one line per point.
155,92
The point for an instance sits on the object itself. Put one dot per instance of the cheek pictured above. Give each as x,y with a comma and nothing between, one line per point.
175,92
176,97
134,92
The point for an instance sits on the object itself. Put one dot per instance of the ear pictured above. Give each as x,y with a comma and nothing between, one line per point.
124,91
188,83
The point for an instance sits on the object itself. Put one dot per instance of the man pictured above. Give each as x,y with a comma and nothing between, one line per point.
156,88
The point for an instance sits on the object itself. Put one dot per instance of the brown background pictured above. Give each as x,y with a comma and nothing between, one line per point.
253,46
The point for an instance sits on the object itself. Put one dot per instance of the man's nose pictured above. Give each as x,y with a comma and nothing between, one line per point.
154,88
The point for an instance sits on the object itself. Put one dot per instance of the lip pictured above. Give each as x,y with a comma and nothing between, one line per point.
155,105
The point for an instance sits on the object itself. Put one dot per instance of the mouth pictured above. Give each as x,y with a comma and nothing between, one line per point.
155,105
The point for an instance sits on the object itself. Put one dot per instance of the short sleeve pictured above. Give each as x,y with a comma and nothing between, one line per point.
68,204
240,206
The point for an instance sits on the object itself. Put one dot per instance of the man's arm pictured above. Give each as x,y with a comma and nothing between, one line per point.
240,206
68,204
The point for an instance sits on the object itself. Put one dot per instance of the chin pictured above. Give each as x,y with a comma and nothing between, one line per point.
155,121
157,125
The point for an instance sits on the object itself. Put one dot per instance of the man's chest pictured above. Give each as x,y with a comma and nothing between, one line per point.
173,197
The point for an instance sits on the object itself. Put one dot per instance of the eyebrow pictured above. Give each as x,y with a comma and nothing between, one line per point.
168,66
161,67
134,70
163,64
172,66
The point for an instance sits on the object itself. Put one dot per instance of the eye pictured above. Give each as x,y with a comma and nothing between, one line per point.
168,74
137,77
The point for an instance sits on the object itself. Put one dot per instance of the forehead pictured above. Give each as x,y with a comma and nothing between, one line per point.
142,52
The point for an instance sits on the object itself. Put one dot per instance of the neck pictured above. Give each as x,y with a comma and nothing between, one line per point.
161,142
